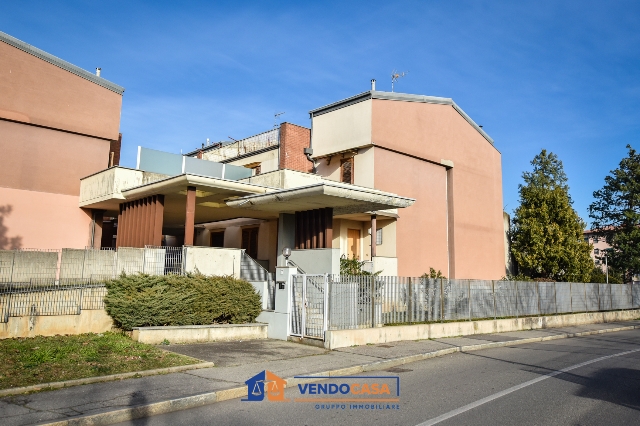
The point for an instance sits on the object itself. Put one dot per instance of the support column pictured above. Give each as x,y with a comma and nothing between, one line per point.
451,225
286,235
96,232
374,241
189,221
158,218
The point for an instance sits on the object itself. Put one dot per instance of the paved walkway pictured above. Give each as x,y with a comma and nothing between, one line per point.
235,363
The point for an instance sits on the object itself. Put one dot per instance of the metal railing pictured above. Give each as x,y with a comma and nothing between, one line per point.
64,282
39,297
244,146
372,301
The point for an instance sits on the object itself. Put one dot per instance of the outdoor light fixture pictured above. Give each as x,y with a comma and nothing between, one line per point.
286,252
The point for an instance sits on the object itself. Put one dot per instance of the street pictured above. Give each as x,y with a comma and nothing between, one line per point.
509,385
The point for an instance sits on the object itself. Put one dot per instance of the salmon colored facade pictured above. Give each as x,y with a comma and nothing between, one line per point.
58,123
428,149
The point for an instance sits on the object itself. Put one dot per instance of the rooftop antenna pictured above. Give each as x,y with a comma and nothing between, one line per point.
395,76
275,118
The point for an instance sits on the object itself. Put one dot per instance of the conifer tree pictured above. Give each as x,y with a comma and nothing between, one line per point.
616,215
547,235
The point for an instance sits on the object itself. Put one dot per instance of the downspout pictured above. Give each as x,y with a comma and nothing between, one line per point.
308,152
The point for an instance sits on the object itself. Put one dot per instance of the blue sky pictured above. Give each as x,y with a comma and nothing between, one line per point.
564,76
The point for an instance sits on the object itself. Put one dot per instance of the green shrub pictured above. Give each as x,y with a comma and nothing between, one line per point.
151,300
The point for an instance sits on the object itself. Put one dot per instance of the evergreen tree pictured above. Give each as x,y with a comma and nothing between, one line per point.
547,239
616,215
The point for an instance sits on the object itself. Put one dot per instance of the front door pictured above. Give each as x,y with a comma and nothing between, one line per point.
353,243
250,241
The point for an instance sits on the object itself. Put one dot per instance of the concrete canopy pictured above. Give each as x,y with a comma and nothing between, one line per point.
220,199
343,198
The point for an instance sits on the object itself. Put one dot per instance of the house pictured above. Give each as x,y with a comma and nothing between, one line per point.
413,172
58,123
402,182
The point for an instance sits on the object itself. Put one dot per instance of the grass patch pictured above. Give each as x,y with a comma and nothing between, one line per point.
31,361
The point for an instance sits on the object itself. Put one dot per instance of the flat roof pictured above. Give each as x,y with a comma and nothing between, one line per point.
60,63
395,96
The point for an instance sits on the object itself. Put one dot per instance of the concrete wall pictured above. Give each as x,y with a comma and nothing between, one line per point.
284,179
388,266
199,333
37,92
342,129
345,338
268,161
317,261
213,261
89,321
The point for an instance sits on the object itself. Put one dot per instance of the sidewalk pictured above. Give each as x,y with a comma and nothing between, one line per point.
238,361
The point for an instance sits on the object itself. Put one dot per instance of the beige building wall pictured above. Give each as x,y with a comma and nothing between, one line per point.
342,129
432,133
268,161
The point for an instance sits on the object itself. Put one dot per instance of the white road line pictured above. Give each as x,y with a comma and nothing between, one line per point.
490,398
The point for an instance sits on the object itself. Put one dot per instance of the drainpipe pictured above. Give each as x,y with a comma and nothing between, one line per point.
308,152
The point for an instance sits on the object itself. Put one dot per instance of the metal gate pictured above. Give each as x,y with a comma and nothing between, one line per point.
309,305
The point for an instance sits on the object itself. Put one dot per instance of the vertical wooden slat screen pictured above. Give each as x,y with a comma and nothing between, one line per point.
140,222
314,229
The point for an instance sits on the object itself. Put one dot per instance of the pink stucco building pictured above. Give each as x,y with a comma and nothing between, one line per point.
58,123
403,182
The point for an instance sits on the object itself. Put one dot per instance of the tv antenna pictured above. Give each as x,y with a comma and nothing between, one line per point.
275,118
395,76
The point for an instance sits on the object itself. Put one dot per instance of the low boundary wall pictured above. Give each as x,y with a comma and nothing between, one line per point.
88,321
199,333
335,339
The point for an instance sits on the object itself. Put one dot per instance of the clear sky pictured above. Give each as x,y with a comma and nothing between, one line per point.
560,75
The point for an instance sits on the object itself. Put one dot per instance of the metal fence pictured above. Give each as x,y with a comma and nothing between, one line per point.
366,301
66,281
44,298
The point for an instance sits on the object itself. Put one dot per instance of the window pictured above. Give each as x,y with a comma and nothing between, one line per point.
596,251
346,170
378,236
216,239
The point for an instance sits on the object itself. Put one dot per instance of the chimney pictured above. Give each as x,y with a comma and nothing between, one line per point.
373,84
98,71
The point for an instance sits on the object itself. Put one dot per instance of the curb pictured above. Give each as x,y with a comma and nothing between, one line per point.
98,379
169,406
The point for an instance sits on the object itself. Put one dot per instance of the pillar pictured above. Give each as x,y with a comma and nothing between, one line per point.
374,241
96,232
286,235
189,221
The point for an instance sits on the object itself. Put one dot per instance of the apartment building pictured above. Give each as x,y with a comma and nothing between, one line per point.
58,123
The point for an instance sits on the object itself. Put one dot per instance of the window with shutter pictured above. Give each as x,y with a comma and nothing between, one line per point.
346,170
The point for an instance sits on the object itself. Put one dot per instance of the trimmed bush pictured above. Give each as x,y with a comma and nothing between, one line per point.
154,300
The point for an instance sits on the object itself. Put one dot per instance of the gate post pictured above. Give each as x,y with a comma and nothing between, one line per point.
303,330
410,302
325,312
373,302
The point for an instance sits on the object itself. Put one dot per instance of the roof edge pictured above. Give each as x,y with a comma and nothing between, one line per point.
395,96
60,63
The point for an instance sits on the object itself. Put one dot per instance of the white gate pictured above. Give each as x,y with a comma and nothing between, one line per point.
309,305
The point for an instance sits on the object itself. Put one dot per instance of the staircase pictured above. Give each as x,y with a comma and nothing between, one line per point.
252,271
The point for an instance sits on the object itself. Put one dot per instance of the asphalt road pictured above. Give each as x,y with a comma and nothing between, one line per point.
592,380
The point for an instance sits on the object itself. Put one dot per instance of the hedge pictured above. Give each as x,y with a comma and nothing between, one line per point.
154,300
